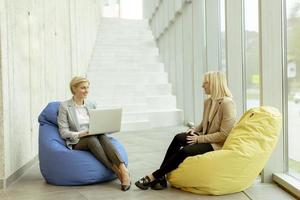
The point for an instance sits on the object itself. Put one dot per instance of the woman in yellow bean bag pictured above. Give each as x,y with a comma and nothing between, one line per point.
219,117
243,156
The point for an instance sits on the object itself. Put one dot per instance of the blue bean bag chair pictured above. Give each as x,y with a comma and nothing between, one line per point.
62,166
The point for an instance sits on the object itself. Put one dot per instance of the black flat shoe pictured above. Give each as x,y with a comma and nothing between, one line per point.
161,184
144,183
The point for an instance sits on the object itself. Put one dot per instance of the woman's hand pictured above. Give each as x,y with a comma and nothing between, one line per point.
83,134
192,138
190,131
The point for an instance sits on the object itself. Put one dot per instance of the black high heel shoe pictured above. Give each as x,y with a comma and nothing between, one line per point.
145,182
126,187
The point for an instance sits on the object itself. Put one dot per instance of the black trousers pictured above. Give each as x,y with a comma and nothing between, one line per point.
179,150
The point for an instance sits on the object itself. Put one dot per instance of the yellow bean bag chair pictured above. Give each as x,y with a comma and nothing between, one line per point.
235,167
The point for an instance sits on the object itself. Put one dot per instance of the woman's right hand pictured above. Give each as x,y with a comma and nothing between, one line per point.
83,134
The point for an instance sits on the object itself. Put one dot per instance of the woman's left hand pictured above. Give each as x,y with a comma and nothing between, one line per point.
192,138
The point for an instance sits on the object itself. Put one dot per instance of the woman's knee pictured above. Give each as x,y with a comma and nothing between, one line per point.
180,137
92,141
103,137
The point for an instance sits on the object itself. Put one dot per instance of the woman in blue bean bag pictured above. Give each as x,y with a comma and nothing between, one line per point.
67,155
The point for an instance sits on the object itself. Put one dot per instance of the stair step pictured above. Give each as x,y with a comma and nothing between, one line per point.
126,57
165,118
126,44
126,108
118,92
118,100
116,47
128,68
98,63
112,55
150,90
144,78
161,102
118,52
135,116
136,125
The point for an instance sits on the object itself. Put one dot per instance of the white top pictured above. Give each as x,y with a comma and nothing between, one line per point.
83,117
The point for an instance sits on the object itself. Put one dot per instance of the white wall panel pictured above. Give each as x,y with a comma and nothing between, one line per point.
199,57
188,76
172,50
44,43
179,61
212,34
272,74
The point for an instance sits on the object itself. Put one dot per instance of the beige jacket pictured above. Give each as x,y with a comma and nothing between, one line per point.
68,123
223,120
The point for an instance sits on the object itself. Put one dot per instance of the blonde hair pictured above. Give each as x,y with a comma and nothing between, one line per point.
217,84
76,81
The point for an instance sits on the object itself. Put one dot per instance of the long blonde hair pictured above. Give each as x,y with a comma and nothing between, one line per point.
76,81
217,84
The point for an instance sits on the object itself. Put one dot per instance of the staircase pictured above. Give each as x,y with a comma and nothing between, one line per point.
125,71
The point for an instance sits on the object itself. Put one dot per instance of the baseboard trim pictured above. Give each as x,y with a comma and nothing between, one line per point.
288,182
4,183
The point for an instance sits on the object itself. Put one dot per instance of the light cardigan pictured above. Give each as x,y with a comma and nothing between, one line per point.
222,121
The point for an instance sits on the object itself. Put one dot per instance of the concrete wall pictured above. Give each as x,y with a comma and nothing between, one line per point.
43,44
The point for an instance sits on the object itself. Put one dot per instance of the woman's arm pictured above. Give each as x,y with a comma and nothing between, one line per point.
227,123
199,128
63,125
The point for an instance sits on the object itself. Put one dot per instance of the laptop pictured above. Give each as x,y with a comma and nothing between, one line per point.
105,121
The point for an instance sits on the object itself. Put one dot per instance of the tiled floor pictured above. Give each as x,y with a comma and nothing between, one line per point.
146,150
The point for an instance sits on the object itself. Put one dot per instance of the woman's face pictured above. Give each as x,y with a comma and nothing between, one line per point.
82,90
205,86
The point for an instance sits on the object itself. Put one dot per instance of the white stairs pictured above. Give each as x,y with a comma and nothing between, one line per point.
125,71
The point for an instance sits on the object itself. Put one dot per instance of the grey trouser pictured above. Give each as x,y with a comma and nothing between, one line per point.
102,149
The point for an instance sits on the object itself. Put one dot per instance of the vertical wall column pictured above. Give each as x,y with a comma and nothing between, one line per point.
188,76
272,73
179,67
199,56
3,61
235,53
213,35
172,45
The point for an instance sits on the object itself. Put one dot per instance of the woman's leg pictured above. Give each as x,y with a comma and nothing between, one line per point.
110,150
117,161
157,181
178,141
92,143
177,158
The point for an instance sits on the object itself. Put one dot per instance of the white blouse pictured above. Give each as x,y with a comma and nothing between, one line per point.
83,117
